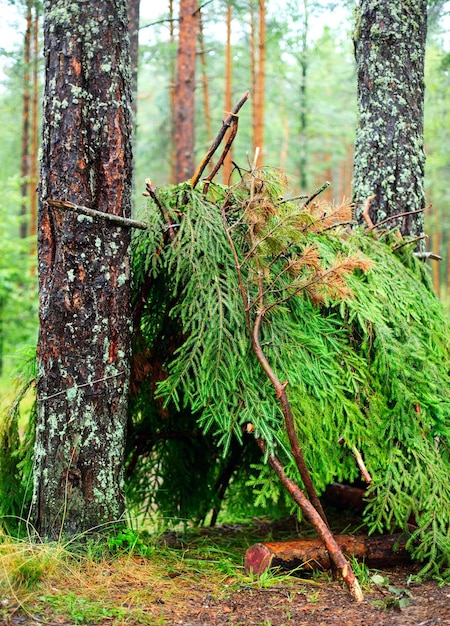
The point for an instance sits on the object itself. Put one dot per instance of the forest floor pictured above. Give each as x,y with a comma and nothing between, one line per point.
199,580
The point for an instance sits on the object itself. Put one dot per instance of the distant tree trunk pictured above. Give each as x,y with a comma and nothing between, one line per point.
389,157
133,32
34,133
205,86
25,157
173,80
185,91
84,273
303,151
259,76
227,164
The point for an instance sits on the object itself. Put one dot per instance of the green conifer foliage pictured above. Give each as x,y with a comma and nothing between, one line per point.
346,317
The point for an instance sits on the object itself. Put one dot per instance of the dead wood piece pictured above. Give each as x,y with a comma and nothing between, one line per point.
310,554
217,141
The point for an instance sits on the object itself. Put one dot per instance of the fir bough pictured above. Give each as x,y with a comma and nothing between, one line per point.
353,326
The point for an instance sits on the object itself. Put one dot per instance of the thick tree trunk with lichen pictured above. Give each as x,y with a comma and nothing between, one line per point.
389,159
84,273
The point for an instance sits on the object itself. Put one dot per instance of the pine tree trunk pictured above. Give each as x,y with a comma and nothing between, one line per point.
34,132
185,91
259,82
205,86
25,156
389,157
133,32
173,80
227,164
84,273
303,113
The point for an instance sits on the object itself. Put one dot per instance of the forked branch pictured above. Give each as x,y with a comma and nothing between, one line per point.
218,140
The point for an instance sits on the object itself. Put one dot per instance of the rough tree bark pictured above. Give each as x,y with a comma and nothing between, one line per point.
84,273
389,160
184,100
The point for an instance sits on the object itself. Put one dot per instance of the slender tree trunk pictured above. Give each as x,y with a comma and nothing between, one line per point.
25,164
227,164
303,114
185,91
34,132
133,32
205,86
389,160
259,81
173,80
84,273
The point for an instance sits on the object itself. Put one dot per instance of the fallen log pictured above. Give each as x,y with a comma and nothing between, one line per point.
310,554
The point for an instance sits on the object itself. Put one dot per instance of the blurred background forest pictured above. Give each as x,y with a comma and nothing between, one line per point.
297,53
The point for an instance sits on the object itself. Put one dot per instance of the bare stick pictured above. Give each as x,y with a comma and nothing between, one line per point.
335,552
365,213
84,210
151,192
394,217
428,255
362,466
316,193
217,141
292,199
280,390
409,241
232,135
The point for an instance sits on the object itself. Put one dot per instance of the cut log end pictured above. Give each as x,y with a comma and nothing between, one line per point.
258,558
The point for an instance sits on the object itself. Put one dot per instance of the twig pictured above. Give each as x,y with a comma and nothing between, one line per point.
217,141
167,19
393,217
84,210
428,255
362,466
150,192
76,386
232,135
316,193
408,241
350,223
284,200
335,552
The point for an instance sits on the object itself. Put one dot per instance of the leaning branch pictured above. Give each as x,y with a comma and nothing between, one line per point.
84,210
335,552
315,194
397,215
217,141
